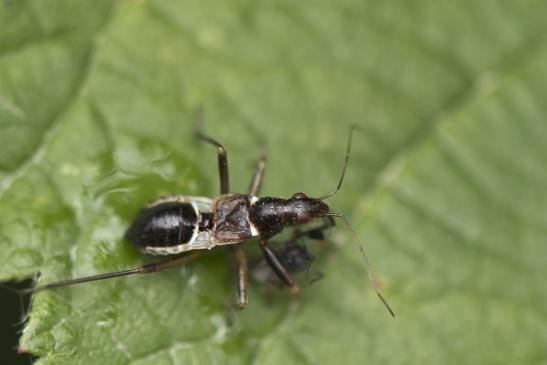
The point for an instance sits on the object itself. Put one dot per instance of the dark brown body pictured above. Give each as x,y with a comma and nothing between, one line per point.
175,224
271,215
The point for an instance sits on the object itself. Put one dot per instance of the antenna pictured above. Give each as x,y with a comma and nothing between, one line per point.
348,150
365,259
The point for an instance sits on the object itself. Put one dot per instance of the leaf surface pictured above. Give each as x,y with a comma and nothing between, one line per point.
447,182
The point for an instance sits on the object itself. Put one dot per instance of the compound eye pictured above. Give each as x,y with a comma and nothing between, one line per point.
299,196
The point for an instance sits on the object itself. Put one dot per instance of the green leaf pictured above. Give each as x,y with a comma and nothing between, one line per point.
447,181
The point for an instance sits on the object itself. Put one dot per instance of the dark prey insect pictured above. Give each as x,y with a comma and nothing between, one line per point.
185,224
294,256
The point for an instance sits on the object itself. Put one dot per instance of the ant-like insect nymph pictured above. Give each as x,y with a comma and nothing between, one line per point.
186,224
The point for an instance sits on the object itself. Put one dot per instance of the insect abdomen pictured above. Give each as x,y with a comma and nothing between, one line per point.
163,228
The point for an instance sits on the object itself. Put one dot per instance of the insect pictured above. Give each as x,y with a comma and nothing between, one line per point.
294,256
191,225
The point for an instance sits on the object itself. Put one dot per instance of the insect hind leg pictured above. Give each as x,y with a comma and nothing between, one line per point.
144,269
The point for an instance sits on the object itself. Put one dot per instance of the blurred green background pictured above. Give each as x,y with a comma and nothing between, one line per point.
447,182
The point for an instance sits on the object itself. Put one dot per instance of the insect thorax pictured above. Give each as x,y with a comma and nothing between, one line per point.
231,219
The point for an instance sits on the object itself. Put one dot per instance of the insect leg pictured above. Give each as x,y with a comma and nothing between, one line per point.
221,151
145,269
241,276
277,266
256,182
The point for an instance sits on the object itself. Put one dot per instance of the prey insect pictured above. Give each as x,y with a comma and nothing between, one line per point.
294,255
192,225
